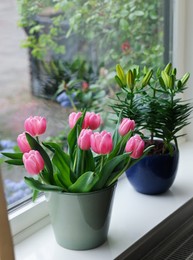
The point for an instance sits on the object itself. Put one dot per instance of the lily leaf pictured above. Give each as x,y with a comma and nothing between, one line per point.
85,182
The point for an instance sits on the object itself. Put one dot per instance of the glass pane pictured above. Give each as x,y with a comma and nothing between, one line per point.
72,48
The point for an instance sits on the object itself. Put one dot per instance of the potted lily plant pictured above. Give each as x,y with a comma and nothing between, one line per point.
154,99
79,180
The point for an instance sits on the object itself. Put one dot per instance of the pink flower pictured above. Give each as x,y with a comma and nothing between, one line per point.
135,145
84,139
23,143
73,118
101,143
125,47
35,125
33,162
126,125
91,120
85,85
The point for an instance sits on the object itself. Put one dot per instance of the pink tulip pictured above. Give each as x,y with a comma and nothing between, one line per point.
126,126
84,139
33,162
135,145
35,125
73,118
101,143
23,143
91,120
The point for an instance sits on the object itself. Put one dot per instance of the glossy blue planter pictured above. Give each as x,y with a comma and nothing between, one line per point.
154,174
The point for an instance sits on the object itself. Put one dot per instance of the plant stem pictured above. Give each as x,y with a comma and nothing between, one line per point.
72,103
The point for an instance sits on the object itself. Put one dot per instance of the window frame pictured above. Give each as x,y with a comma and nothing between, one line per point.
28,218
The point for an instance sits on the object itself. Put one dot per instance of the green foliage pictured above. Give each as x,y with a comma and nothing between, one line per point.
153,99
71,77
102,26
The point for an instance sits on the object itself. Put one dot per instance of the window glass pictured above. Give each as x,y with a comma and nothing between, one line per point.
67,59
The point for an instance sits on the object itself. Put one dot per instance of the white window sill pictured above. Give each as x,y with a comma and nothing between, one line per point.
133,215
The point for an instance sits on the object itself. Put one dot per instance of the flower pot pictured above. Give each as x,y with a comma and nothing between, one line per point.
154,174
81,220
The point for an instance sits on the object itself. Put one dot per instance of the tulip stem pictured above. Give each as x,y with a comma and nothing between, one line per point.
72,103
102,162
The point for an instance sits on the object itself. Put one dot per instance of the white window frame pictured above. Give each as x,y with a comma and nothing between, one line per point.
32,216
182,48
28,219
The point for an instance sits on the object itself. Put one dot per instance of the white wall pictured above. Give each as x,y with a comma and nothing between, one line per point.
183,48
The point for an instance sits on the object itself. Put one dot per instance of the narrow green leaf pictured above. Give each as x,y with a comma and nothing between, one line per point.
119,82
15,162
13,155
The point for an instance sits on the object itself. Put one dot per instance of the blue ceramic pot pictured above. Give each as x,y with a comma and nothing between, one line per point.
154,174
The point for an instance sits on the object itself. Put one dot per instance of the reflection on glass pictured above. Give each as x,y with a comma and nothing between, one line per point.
72,48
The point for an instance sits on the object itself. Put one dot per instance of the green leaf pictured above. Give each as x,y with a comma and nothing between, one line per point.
85,182
119,82
108,169
36,146
59,182
37,185
35,195
72,136
120,146
13,155
14,162
62,162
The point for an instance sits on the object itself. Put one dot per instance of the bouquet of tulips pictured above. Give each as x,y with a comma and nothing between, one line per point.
92,160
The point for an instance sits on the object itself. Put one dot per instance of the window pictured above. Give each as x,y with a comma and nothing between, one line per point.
98,34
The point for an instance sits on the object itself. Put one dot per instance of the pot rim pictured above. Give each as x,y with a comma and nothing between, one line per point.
83,193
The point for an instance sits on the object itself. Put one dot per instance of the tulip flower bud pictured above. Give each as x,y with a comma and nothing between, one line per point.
84,139
23,143
33,162
73,118
91,120
135,145
126,125
35,125
102,143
